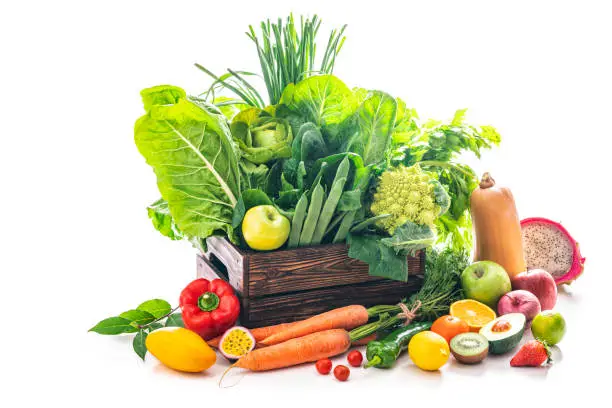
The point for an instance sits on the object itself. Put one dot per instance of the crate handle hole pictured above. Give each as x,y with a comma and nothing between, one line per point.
219,265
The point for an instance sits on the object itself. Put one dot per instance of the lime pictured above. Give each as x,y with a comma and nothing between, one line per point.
549,327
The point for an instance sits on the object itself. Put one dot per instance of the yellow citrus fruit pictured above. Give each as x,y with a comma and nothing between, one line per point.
428,350
180,349
474,313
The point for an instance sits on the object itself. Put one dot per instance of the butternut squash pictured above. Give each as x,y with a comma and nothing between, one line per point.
497,228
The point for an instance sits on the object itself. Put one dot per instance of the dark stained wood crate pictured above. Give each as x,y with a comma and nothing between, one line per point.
292,284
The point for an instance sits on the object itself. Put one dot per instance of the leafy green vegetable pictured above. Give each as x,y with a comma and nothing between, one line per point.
375,121
410,238
159,213
248,199
382,259
252,176
323,100
191,151
261,137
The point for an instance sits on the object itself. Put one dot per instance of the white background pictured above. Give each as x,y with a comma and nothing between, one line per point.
76,244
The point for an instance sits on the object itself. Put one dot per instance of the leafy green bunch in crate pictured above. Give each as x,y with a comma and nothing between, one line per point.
340,164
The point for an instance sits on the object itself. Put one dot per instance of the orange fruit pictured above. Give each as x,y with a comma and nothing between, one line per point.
449,326
474,313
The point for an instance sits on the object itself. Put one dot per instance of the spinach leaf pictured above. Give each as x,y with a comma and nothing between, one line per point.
162,220
375,121
253,176
192,154
323,100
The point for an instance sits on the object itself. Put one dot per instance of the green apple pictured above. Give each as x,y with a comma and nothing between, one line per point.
264,228
486,282
549,327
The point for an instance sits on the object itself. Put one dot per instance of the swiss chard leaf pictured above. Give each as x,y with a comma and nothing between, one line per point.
374,124
192,153
162,220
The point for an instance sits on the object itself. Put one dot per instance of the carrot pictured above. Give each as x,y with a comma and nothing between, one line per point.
309,348
364,341
347,317
259,333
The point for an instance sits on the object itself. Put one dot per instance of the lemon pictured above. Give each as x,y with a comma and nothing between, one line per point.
428,350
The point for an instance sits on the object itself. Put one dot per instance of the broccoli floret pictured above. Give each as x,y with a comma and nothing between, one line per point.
408,194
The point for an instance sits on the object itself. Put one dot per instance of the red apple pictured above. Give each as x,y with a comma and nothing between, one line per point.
519,301
540,283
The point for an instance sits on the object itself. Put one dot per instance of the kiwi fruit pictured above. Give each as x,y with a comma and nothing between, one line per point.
469,348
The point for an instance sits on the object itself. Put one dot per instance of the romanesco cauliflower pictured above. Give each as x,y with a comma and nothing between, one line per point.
408,194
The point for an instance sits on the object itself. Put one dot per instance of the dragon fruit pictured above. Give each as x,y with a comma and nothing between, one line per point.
547,245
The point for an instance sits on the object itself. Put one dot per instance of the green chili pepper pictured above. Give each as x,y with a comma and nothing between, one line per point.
383,353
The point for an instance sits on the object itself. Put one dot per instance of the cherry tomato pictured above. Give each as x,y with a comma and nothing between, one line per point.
449,326
355,358
324,366
341,373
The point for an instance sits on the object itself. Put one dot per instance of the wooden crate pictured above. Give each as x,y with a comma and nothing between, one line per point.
283,286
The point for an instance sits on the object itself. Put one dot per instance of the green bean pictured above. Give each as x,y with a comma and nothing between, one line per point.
314,209
298,221
328,210
335,221
332,200
344,227
301,172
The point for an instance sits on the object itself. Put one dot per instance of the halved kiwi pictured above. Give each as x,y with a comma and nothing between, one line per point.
469,348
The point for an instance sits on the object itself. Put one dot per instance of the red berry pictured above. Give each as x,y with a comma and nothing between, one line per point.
342,373
355,358
533,354
324,366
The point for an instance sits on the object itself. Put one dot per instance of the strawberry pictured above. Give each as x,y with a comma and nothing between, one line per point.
534,353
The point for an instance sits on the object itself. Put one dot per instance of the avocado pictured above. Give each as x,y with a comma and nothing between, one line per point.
504,333
469,348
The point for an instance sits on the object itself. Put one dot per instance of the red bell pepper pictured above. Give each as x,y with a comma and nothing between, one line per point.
209,307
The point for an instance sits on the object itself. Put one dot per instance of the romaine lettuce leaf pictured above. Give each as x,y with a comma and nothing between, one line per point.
192,154
162,220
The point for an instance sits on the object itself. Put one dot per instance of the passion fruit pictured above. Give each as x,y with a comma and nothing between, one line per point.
469,348
236,342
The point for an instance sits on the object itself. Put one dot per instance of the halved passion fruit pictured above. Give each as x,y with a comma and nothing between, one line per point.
236,342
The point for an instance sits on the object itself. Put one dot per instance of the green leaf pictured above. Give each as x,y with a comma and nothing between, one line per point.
139,343
261,137
162,220
156,307
192,153
175,320
382,260
323,100
350,200
114,325
138,317
409,238
375,120
154,326
248,199
253,176
441,197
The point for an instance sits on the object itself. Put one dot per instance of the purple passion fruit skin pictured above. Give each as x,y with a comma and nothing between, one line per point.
236,342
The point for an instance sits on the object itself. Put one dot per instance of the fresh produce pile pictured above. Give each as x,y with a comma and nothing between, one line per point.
315,162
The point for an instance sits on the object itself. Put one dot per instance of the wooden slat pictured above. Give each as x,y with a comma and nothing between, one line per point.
231,258
310,268
301,305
